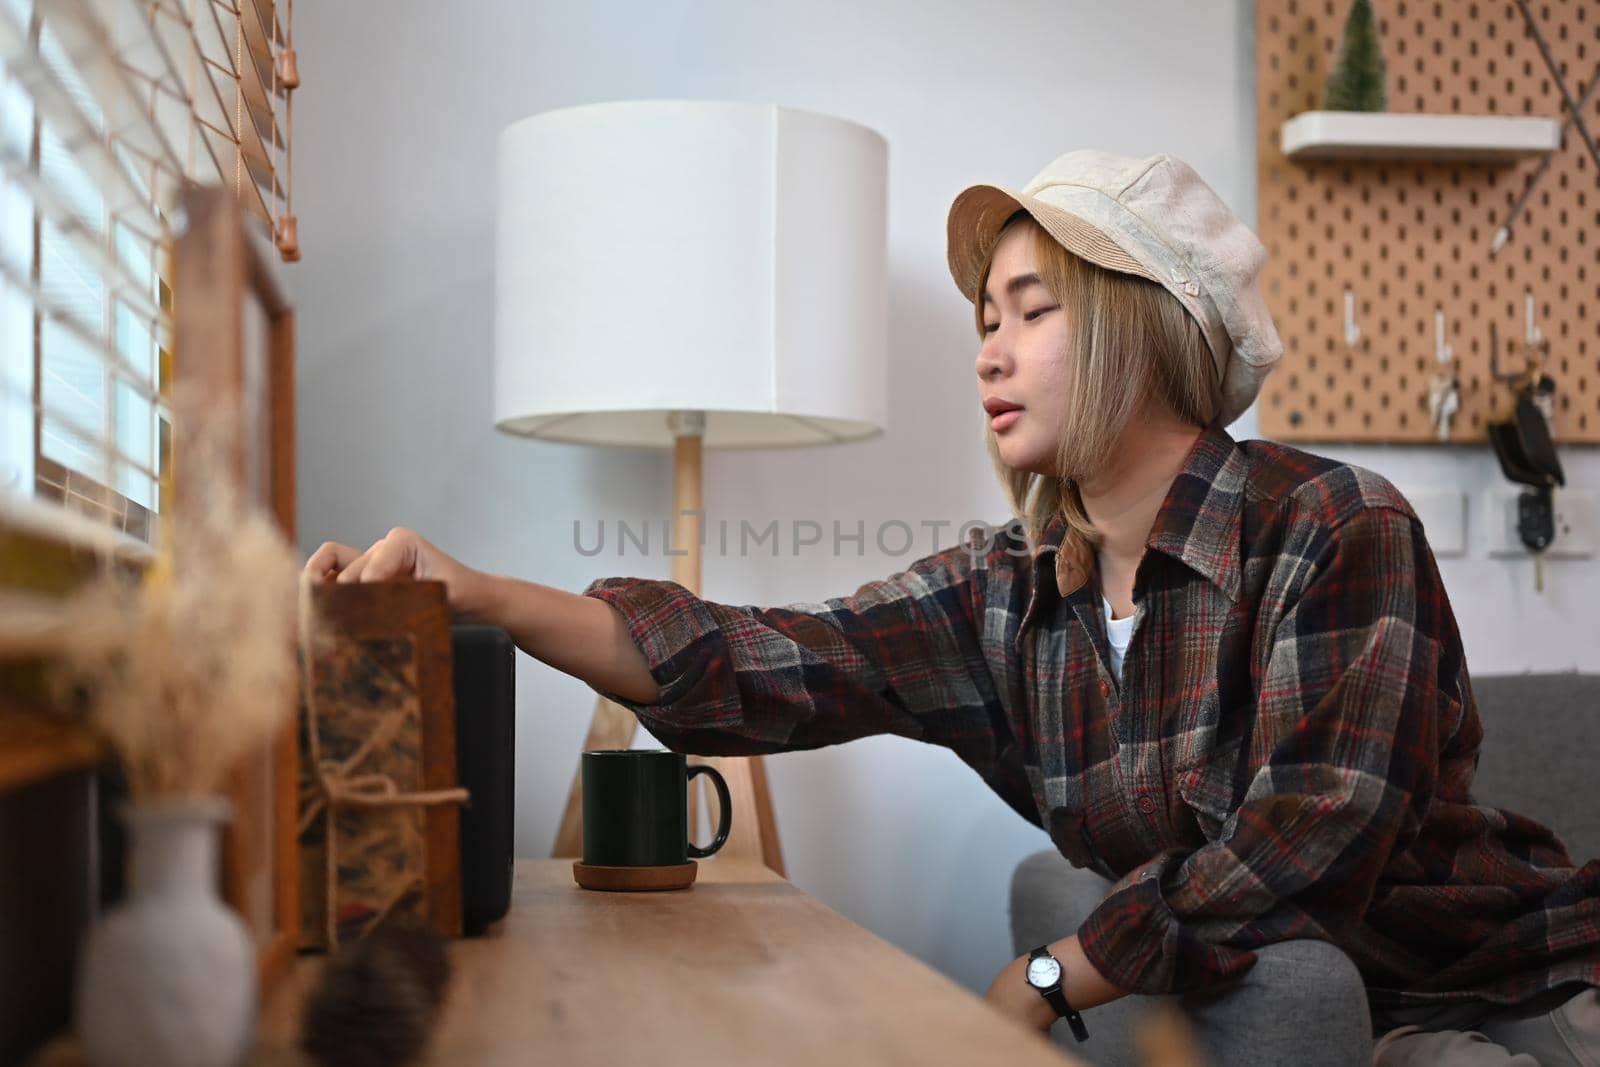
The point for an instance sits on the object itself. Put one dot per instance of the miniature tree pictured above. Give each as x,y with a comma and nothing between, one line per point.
1357,81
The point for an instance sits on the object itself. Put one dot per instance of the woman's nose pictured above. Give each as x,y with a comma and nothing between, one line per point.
991,361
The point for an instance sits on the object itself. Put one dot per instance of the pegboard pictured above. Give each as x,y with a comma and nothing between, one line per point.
1408,237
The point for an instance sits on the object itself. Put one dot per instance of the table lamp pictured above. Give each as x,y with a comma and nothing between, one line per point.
690,274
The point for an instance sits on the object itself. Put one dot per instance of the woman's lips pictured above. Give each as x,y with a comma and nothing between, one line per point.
1005,419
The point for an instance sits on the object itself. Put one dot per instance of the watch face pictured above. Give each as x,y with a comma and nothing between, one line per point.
1043,973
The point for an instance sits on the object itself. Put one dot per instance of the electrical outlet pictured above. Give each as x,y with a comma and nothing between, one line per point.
1577,523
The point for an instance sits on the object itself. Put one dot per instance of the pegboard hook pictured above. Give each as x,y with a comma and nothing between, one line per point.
1444,392
1532,329
1441,349
1534,353
1352,332
1494,356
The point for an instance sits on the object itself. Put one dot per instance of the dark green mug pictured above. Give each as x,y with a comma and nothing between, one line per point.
636,808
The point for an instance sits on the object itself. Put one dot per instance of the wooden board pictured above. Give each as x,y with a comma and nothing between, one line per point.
233,336
35,746
1409,237
741,968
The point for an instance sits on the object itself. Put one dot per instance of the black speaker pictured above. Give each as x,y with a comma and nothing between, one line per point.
485,688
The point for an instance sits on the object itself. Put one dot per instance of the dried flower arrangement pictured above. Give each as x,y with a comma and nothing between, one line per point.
188,669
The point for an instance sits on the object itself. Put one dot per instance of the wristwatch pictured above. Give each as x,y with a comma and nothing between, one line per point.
1044,974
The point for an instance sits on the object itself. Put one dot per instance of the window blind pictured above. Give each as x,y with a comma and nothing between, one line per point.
106,108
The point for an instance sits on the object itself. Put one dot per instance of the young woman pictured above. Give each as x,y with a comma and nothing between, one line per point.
1223,676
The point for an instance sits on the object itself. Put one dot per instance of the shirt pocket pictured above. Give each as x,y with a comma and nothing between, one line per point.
1209,788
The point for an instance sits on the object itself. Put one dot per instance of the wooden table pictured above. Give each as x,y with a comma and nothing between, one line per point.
741,968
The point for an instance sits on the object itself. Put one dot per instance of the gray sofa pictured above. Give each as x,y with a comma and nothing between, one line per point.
1541,736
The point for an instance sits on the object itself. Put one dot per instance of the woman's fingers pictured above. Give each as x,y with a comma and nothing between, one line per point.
352,573
397,555
332,556
393,557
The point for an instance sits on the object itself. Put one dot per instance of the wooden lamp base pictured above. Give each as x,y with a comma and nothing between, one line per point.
755,828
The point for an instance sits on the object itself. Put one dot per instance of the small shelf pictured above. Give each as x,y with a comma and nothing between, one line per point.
33,747
1314,135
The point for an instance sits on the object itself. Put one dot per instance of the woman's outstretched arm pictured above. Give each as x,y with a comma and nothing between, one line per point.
575,634
902,655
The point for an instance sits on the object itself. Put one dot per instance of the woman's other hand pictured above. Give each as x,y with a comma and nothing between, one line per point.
403,554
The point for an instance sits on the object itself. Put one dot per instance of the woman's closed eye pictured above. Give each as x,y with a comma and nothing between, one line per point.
989,327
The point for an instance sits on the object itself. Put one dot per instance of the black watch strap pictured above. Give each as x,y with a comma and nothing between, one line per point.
1058,1001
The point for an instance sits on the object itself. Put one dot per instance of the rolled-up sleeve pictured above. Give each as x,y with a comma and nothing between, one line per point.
1348,716
902,655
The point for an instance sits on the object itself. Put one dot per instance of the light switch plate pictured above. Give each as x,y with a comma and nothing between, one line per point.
1577,523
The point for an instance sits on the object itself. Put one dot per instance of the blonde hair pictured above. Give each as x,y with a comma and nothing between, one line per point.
1133,344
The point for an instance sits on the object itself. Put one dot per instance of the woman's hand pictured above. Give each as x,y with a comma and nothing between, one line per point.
1011,993
403,554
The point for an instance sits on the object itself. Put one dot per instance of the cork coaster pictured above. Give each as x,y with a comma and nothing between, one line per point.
634,879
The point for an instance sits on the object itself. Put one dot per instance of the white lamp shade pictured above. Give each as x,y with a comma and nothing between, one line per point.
681,255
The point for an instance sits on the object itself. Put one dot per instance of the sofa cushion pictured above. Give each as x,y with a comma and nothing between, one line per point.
1541,736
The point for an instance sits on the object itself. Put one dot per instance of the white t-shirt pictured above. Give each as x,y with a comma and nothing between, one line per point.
1118,631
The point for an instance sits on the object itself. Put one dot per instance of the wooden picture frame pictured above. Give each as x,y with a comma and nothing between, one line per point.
386,655
233,333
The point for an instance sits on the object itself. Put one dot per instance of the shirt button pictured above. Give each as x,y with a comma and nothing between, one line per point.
1147,805
1105,688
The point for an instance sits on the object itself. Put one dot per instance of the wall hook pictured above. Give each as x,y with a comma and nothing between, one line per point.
1444,391
1494,358
1352,332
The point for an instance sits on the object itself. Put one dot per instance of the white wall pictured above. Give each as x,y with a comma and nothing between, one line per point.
396,129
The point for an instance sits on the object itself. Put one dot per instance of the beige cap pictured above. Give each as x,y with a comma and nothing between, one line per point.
1154,218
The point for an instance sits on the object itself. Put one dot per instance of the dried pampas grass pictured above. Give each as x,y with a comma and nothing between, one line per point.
192,667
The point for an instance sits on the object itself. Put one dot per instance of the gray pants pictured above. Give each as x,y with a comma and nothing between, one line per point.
1304,1003
1558,1029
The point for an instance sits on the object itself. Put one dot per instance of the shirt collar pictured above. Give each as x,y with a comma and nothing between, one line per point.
1198,523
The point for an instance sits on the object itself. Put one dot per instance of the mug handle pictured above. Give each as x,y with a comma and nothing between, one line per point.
725,823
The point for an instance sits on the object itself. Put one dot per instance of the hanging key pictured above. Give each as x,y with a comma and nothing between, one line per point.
1543,391
1444,391
1444,400
1536,527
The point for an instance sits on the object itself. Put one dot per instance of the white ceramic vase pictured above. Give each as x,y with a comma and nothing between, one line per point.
167,978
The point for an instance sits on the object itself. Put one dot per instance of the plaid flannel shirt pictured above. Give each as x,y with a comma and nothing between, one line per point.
1289,753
